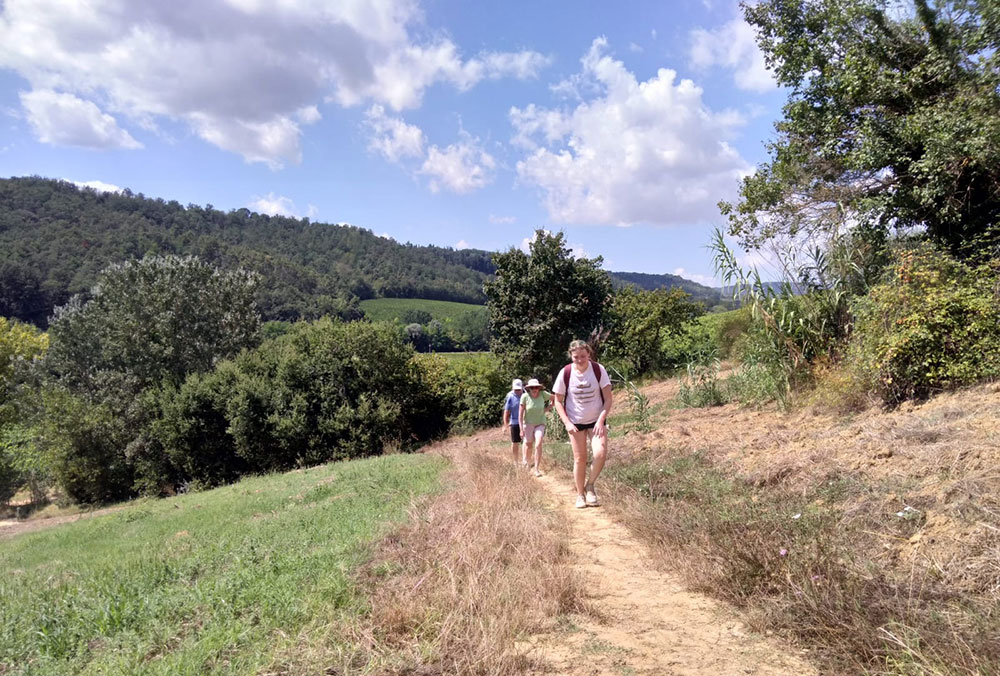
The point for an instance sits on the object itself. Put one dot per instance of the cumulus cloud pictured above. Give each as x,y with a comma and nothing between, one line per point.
393,138
461,167
99,186
462,244
274,205
732,46
244,75
501,220
633,152
64,119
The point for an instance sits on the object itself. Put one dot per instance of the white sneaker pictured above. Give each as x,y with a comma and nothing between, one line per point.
591,497
581,502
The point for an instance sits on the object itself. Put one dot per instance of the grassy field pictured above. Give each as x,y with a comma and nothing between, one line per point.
220,582
389,309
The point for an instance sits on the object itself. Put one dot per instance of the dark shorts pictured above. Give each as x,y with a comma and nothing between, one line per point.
515,434
580,427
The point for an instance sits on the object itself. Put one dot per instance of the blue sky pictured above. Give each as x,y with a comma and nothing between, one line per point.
436,122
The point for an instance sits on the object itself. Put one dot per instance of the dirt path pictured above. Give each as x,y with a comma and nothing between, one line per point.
11,527
648,624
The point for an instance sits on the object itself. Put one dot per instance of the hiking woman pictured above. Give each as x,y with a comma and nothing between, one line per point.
583,402
535,403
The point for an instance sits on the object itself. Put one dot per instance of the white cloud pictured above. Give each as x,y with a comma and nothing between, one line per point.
705,280
502,220
461,167
245,75
636,152
274,205
732,46
462,244
392,137
64,119
99,186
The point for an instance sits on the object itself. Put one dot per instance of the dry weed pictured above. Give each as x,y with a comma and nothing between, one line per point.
477,569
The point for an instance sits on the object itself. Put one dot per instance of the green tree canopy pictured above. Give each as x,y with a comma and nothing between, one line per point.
542,300
892,121
641,321
152,320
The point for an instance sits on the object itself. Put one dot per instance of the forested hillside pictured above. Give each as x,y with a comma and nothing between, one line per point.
56,237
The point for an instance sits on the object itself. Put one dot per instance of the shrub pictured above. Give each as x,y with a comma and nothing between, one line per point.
86,444
23,463
641,323
481,384
194,432
934,324
325,391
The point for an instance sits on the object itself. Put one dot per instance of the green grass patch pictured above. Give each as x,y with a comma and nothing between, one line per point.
393,309
203,583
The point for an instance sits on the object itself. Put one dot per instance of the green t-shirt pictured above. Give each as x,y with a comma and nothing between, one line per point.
534,408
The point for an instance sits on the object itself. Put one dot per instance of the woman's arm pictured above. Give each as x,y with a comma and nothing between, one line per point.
602,420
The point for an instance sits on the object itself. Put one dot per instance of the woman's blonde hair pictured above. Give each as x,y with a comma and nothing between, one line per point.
577,344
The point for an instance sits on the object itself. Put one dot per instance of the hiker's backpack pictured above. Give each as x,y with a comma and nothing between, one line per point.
598,371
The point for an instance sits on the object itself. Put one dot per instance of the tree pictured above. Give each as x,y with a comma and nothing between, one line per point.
540,301
642,320
20,344
152,320
892,122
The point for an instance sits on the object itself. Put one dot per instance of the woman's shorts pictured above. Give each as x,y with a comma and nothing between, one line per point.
515,434
534,432
580,427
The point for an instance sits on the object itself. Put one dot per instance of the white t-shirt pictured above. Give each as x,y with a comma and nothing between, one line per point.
583,405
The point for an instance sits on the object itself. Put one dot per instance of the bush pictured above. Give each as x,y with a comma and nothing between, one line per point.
86,444
481,383
641,323
933,325
194,432
23,463
324,391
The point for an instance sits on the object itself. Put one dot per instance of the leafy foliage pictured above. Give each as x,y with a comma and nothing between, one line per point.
152,320
20,345
892,121
642,322
540,301
933,325
480,384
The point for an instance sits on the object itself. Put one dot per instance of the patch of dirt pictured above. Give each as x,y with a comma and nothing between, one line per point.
643,621
11,527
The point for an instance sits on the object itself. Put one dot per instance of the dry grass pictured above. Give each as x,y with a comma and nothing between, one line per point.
478,569
871,538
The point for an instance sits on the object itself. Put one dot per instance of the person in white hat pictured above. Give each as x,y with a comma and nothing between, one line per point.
511,418
535,403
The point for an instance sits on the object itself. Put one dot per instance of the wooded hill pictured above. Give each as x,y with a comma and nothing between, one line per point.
56,237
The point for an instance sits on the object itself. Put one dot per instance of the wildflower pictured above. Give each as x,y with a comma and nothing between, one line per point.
783,552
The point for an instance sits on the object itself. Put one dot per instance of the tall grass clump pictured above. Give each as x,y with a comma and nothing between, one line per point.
474,572
701,386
